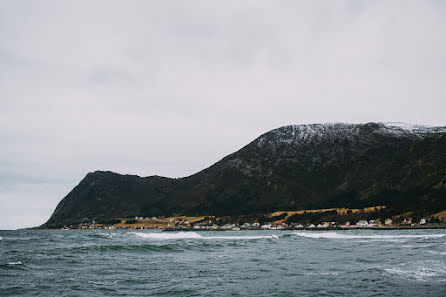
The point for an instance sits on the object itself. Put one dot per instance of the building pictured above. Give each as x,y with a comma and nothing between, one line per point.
388,221
362,223
408,220
422,221
266,226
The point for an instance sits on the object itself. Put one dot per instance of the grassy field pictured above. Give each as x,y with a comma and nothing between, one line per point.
162,223
340,211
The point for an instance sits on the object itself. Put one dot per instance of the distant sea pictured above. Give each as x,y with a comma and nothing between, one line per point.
243,263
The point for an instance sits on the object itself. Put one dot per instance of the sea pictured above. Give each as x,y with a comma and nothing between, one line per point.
231,263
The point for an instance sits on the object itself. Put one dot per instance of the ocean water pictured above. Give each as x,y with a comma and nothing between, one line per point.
235,263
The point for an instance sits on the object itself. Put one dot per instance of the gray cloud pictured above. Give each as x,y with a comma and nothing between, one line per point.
169,87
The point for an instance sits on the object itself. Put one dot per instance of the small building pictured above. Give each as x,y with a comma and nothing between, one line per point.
422,221
311,226
408,220
362,223
388,221
255,225
266,226
226,227
296,226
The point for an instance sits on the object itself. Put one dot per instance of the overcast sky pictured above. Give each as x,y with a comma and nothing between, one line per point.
170,87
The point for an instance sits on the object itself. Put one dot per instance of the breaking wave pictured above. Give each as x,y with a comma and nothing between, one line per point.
15,263
102,235
194,235
418,271
334,235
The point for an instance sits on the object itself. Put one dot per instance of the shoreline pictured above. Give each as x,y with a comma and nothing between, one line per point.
382,228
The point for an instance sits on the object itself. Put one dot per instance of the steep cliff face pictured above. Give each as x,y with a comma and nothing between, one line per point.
292,167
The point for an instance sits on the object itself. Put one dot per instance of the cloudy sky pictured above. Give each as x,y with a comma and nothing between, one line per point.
170,87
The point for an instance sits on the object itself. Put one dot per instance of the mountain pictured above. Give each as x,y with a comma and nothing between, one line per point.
289,168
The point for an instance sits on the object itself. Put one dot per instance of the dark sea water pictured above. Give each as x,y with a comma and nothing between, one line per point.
243,263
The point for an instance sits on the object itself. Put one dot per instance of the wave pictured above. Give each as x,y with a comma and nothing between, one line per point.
1,238
437,252
416,273
334,235
102,235
15,263
194,235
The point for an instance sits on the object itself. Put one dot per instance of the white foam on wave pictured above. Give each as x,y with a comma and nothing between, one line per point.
437,252
334,235
107,235
194,235
416,273
15,263
1,238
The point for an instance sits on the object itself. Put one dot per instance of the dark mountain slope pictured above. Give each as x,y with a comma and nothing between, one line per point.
293,167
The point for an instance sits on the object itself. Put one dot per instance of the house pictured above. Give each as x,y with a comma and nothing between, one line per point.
266,226
296,226
256,225
246,225
226,227
388,221
321,226
422,221
407,220
362,223
311,226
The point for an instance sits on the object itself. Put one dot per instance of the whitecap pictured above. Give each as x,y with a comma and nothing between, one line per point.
334,235
325,273
437,252
194,235
107,235
15,263
1,238
419,273
163,235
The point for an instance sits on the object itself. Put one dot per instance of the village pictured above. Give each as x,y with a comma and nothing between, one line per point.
210,224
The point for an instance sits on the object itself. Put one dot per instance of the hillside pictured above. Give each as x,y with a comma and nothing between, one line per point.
289,168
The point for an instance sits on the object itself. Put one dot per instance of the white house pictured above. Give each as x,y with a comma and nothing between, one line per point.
388,221
362,223
266,226
422,221
296,226
246,225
